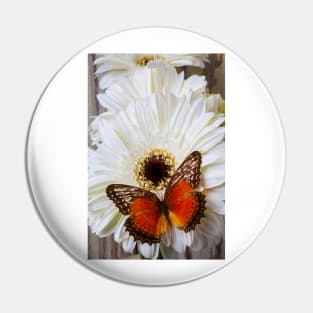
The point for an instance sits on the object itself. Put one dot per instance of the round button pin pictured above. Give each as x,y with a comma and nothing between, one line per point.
155,156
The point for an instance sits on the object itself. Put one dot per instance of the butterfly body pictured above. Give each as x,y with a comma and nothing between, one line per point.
149,217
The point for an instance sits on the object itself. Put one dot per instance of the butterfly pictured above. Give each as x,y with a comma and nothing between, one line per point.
149,217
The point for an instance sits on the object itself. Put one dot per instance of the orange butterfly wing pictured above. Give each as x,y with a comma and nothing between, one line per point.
186,207
147,221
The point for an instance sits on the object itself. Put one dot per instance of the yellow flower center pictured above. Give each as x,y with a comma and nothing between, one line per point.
143,61
153,170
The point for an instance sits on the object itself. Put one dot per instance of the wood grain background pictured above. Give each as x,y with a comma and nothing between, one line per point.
107,248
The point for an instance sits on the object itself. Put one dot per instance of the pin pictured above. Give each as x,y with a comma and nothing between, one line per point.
127,154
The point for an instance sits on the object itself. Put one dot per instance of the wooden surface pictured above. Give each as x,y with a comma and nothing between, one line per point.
107,248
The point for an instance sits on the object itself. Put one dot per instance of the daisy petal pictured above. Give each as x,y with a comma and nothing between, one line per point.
178,239
189,237
166,237
217,153
129,244
120,231
108,78
197,242
215,199
213,175
149,251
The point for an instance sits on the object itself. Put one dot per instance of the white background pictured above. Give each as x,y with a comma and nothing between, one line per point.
274,38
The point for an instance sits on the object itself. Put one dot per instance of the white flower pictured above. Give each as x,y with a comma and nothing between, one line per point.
145,82
113,67
177,126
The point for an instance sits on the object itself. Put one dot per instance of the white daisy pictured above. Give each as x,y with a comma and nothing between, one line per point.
113,67
172,127
145,82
